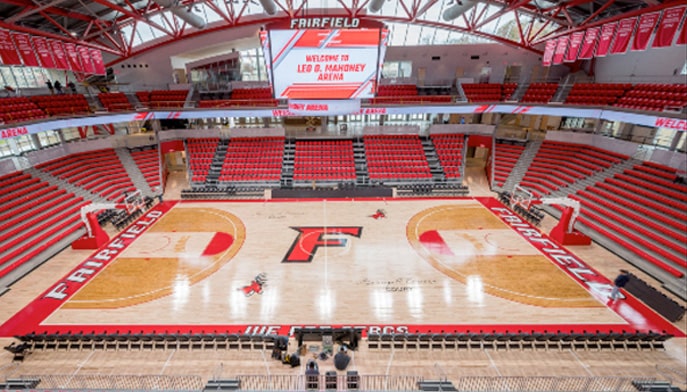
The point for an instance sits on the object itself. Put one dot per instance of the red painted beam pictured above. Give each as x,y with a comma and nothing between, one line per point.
51,10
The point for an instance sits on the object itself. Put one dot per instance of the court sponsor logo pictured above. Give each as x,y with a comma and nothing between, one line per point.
310,239
14,132
398,285
95,263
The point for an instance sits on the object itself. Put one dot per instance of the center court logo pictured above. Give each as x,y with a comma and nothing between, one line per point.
310,239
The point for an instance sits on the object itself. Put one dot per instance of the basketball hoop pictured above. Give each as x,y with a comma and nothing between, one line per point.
521,197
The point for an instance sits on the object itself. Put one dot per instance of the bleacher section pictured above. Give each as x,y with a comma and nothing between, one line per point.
113,102
261,96
251,160
99,172
488,92
148,163
396,157
324,160
17,109
34,216
396,90
654,97
558,165
405,94
506,155
63,104
163,98
449,148
643,210
539,93
596,94
200,153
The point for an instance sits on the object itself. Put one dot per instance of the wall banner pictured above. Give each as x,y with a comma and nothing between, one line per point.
589,43
622,36
668,27
646,25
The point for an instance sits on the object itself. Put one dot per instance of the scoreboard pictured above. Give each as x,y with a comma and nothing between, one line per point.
330,58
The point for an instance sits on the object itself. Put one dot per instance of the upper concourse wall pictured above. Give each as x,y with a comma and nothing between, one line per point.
454,60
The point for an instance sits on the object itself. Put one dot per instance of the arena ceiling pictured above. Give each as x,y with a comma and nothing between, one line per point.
124,28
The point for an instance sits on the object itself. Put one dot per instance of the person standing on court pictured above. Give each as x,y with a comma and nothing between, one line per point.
619,282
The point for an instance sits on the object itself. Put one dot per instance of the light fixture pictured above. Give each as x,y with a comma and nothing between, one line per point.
376,5
458,9
269,6
183,13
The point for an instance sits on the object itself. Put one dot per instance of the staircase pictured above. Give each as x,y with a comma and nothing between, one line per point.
217,163
521,166
432,157
519,92
362,177
288,163
133,171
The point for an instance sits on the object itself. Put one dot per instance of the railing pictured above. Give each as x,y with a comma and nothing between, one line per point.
340,382
329,383
552,384
118,382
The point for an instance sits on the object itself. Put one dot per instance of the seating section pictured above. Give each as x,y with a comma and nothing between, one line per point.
539,93
99,172
261,96
449,148
558,165
257,159
115,102
654,97
405,94
324,160
396,157
163,98
596,94
148,163
644,210
396,90
200,153
34,216
17,109
62,105
506,156
488,92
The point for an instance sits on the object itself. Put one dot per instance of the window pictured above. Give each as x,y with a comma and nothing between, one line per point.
48,138
5,149
25,143
397,69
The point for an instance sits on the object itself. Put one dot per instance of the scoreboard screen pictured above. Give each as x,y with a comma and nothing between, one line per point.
324,63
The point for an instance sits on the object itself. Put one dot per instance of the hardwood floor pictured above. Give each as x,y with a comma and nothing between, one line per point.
670,363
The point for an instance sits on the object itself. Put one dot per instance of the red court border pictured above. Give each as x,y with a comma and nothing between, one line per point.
638,316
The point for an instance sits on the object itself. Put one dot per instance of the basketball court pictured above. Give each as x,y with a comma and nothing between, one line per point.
458,264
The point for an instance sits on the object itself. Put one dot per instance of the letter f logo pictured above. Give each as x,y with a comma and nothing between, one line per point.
311,238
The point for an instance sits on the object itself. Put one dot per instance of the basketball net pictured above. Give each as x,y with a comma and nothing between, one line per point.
134,201
521,197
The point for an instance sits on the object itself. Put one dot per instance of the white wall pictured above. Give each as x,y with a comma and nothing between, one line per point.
496,56
158,72
659,65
